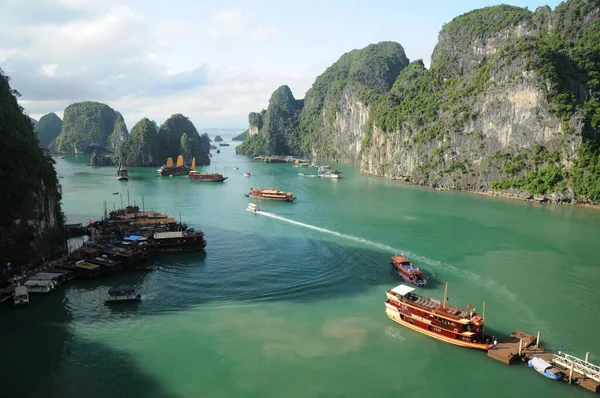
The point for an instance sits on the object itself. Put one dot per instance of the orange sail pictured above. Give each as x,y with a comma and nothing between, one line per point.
169,162
179,160
193,163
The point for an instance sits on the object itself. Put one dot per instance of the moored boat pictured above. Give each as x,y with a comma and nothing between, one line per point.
275,159
246,174
253,208
545,368
272,194
122,174
407,271
177,241
206,177
180,169
430,317
21,296
123,293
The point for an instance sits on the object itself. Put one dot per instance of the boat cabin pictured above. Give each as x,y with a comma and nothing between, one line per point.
21,295
39,286
405,269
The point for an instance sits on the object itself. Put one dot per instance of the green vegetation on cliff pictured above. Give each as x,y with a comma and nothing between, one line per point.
31,221
373,68
241,137
48,128
141,148
88,126
178,136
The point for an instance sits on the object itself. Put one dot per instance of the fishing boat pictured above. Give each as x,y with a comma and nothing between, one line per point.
180,169
407,271
122,174
206,177
545,368
21,296
246,174
123,293
428,316
253,208
223,144
272,194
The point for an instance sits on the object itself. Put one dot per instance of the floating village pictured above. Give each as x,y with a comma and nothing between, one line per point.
125,239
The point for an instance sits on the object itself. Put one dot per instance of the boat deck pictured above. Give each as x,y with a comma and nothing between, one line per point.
508,351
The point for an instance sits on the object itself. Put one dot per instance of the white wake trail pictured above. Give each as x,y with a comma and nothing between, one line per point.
328,231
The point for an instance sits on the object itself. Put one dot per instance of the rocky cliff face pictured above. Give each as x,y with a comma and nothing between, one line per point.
510,105
142,147
97,160
31,221
178,136
48,128
89,126
255,120
279,131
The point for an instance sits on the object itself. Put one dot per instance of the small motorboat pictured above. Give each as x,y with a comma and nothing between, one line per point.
545,368
253,208
246,174
115,193
235,168
123,293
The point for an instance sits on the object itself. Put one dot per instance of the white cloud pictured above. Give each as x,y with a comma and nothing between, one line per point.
49,69
226,24
260,34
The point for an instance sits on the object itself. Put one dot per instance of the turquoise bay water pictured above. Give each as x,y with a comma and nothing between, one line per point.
275,308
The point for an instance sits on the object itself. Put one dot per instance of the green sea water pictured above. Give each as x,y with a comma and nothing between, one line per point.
290,304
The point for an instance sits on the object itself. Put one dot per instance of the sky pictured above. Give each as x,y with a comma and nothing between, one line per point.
213,61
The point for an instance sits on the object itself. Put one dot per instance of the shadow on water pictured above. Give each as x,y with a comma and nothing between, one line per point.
43,358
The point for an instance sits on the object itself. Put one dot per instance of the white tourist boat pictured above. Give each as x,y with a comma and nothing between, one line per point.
253,208
40,286
123,293
21,296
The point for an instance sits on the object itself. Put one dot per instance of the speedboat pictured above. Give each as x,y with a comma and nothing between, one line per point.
253,207
235,168
115,193
545,368
246,174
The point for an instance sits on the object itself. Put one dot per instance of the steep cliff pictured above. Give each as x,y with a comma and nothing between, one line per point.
48,128
509,105
89,126
280,131
97,160
141,148
31,221
178,136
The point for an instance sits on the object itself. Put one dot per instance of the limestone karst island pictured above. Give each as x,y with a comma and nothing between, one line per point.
300,199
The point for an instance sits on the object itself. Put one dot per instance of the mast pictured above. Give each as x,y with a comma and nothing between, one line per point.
445,295
483,315
128,197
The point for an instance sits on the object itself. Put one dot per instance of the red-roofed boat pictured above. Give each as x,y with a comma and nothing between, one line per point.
449,324
405,268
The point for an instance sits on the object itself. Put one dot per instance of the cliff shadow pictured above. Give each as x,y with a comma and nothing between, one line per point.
44,358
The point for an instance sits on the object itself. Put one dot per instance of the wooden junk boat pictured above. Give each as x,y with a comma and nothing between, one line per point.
272,194
407,271
180,169
206,177
427,316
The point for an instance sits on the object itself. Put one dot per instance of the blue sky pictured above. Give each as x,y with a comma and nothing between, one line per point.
212,61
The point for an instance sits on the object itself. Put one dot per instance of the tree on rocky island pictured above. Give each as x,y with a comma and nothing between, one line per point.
48,128
178,136
141,148
89,126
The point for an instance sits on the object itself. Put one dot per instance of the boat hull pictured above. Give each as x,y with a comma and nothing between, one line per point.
287,199
408,280
219,179
397,317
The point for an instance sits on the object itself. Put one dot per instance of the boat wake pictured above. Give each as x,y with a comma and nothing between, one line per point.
328,231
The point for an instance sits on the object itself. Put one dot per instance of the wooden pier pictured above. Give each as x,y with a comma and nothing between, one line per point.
522,346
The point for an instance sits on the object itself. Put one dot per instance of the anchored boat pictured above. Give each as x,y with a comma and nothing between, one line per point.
122,174
407,270
430,317
546,369
180,169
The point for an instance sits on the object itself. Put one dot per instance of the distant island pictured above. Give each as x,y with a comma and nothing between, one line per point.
218,138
